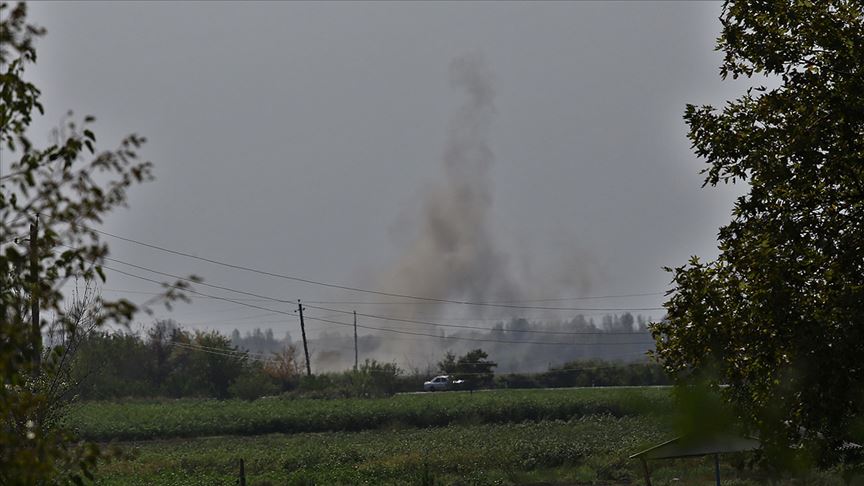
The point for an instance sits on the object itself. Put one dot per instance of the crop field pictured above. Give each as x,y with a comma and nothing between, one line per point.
475,454
195,418
555,437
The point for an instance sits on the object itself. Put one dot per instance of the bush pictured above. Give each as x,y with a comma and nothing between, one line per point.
253,384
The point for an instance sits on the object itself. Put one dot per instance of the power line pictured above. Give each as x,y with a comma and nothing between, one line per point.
15,238
595,297
462,326
234,353
384,329
372,316
206,321
213,348
262,357
191,281
230,353
357,289
124,291
560,299
19,217
195,291
227,354
482,340
471,319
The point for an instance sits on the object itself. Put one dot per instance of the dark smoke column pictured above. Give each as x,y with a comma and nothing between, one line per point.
455,255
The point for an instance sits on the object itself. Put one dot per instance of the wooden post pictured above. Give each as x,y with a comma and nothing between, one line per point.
717,468
242,474
303,332
35,324
355,341
646,471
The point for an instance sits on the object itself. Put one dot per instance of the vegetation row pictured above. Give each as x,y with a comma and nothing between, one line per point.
138,420
169,361
475,454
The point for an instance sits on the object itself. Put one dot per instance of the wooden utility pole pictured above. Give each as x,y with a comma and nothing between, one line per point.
303,332
717,469
35,327
355,340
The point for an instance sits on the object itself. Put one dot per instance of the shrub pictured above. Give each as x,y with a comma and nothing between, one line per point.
253,384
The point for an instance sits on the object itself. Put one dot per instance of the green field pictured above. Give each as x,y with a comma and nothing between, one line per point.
556,437
476,454
195,418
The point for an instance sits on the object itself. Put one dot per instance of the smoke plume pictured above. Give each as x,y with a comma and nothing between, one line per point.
454,255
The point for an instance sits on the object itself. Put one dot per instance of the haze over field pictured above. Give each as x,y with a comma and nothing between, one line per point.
516,153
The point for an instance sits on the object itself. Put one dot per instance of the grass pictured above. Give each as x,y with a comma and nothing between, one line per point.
140,420
577,450
550,437
582,451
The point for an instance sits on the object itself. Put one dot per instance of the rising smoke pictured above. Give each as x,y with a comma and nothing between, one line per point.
454,255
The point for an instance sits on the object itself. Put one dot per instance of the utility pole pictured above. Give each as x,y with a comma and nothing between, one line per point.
355,340
36,328
303,332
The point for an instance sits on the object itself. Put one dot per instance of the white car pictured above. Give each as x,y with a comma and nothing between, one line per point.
441,383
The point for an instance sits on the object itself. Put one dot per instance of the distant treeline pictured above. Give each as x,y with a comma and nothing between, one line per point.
517,345
169,361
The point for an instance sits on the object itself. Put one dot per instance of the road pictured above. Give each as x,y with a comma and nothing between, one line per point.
560,388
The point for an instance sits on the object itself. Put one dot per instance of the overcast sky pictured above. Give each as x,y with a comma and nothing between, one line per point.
306,139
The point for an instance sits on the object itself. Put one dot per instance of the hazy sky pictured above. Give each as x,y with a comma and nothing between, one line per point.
306,138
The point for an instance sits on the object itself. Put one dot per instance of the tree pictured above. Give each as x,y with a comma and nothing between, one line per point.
626,322
159,340
474,367
216,362
203,364
779,316
375,378
110,365
285,367
56,193
448,364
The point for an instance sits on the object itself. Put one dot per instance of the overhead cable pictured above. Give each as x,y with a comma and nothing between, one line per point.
383,329
463,326
358,289
481,340
373,316
231,353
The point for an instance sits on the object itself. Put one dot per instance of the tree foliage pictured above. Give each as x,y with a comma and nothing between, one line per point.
474,367
175,364
64,188
779,316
